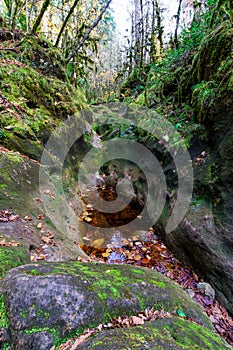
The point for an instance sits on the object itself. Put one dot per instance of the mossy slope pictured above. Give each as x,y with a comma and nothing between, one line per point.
35,95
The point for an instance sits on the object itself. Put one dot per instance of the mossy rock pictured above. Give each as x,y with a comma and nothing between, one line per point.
40,53
169,333
12,256
36,95
205,246
19,182
64,298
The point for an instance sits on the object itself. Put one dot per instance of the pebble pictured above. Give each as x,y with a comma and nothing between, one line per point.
209,291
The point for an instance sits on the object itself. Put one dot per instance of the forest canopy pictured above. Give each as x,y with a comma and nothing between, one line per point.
97,57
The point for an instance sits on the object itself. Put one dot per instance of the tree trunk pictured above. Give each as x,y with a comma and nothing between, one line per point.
159,25
137,32
153,37
65,21
177,25
147,33
142,33
40,16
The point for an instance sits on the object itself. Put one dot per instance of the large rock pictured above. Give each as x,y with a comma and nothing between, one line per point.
44,303
200,243
169,333
20,193
205,237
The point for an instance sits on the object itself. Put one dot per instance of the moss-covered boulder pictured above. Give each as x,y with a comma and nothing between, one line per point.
52,301
169,333
36,96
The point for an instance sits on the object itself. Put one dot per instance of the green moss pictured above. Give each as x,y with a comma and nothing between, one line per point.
111,282
33,272
11,257
159,284
139,272
188,332
54,331
14,157
3,186
4,320
38,102
24,314
160,334
43,313
98,342
18,174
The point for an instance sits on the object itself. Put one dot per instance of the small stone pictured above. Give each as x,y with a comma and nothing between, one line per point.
209,291
190,292
9,127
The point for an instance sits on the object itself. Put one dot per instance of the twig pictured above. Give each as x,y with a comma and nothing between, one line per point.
89,30
82,338
14,49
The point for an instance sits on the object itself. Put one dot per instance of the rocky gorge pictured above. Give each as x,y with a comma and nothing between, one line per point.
43,304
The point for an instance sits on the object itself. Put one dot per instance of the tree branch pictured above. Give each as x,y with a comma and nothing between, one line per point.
86,36
65,22
14,49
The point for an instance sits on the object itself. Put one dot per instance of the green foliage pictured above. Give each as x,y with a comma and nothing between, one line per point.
204,95
4,320
2,134
188,83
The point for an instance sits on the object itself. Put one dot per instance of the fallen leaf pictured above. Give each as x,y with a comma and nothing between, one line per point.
98,242
105,255
87,219
137,257
45,239
135,320
27,218
181,313
13,217
40,217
